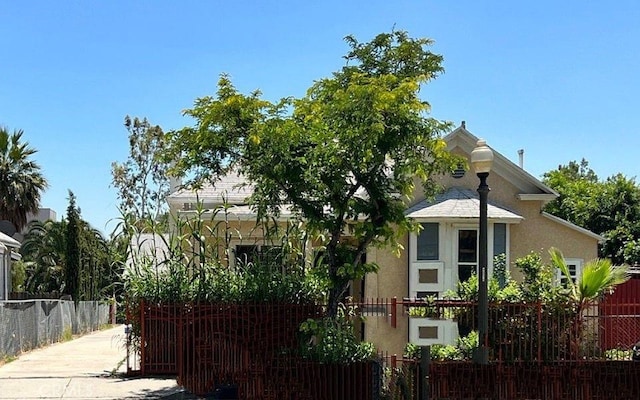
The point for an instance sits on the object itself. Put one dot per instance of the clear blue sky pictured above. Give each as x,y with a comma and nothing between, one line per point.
559,79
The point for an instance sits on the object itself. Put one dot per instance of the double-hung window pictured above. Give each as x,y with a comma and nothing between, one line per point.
428,242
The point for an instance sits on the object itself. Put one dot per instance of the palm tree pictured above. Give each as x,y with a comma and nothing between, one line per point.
598,277
21,182
43,250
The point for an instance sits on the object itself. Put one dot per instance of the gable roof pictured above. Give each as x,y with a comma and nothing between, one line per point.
529,185
461,203
231,188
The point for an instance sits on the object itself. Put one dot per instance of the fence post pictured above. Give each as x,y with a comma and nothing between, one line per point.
539,307
142,337
425,360
394,303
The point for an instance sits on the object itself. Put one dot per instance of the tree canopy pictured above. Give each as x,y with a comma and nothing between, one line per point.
141,181
21,181
346,157
609,207
68,256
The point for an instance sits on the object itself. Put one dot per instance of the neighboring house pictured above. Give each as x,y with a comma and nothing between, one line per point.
151,246
8,250
446,249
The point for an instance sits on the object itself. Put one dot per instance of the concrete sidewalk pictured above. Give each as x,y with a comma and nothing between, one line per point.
89,367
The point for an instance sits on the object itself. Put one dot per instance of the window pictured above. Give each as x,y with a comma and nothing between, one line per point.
266,255
499,239
246,254
428,242
271,255
575,269
467,253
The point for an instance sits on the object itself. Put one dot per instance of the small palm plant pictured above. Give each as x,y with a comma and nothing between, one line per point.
598,277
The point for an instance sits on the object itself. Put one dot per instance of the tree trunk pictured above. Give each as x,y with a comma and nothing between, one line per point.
336,294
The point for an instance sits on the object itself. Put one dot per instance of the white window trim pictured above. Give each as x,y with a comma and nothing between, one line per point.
507,246
413,243
578,262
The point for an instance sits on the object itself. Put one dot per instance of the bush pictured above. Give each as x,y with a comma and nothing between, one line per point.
333,340
462,350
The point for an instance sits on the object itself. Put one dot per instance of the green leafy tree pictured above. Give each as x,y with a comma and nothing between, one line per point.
72,254
18,276
579,189
610,208
345,157
141,181
21,181
43,250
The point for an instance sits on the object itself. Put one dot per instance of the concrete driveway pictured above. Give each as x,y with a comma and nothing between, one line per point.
89,367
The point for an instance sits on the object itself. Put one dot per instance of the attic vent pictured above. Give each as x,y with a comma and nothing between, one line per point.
186,206
458,172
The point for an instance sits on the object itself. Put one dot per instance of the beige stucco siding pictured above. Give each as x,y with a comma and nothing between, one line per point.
534,232
390,281
538,233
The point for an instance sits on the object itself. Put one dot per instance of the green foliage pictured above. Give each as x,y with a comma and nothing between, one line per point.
539,279
181,272
462,350
597,278
427,311
44,250
468,290
141,180
71,249
539,299
345,156
18,276
333,339
44,246
608,207
21,181
174,281
500,271
72,253
618,354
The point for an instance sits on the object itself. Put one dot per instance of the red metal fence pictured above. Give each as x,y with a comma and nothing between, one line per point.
536,352
620,313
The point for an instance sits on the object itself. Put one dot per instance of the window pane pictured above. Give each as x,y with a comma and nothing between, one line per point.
573,272
467,246
499,239
246,254
465,272
428,242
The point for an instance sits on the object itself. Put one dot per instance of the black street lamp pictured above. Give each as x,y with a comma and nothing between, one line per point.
481,160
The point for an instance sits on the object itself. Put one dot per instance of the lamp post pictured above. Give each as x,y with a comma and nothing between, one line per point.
481,160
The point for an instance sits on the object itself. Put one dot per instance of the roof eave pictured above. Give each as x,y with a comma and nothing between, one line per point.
573,226
502,165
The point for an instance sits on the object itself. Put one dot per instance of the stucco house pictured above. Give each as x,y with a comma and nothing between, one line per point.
446,249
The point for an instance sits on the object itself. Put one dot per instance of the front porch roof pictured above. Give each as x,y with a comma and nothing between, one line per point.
458,203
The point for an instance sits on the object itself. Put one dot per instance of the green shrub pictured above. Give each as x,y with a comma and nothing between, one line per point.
462,350
333,340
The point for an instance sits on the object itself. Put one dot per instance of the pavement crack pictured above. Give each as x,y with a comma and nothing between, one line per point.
65,388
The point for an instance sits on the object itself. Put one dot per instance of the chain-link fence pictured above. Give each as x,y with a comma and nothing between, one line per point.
27,324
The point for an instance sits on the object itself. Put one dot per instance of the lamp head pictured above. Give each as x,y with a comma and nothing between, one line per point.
481,157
